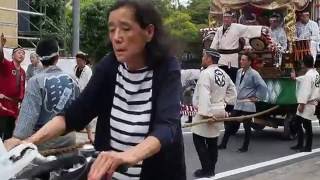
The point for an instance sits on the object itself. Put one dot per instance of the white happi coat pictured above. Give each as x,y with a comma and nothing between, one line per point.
214,90
279,37
85,76
309,31
230,40
308,93
252,85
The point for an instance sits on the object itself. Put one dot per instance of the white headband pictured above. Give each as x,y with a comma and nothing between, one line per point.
45,58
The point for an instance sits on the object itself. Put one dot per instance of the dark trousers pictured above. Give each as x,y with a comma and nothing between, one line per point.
7,125
232,72
189,119
307,125
207,149
230,125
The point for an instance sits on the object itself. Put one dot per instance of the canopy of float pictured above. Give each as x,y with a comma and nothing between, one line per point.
219,5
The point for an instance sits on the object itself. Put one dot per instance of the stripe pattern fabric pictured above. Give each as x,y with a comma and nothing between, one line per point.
130,113
188,110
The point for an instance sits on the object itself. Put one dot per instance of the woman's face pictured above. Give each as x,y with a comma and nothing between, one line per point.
127,37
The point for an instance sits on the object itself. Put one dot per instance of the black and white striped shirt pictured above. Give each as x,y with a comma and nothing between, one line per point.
131,113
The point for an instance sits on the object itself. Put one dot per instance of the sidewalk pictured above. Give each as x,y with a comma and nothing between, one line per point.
304,170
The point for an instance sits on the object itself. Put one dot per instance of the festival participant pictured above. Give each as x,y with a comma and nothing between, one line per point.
278,35
12,87
226,42
48,93
213,91
35,67
308,95
307,29
250,88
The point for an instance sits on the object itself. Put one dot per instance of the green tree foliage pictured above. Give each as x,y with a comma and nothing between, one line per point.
94,28
180,26
165,7
198,10
182,23
53,24
182,30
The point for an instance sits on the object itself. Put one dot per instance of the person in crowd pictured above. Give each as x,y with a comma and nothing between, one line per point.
307,29
135,92
250,89
226,42
35,67
83,74
82,71
213,91
278,34
47,94
308,95
12,87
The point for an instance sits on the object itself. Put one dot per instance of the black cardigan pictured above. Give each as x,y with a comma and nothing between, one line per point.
97,100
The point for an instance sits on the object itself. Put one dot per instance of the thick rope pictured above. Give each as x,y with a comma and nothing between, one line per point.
239,118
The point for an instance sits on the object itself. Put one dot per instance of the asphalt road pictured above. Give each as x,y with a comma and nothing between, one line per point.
265,145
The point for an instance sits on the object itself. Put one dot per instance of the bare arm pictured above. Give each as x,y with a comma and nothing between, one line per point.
52,129
150,146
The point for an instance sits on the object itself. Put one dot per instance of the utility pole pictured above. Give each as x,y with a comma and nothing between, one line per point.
76,26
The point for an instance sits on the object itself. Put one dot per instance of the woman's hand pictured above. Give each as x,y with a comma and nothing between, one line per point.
107,163
11,143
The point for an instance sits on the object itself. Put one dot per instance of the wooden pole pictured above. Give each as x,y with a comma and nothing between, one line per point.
239,118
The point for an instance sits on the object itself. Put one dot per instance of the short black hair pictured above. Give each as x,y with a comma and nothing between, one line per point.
308,61
275,15
250,58
50,62
47,48
214,59
83,56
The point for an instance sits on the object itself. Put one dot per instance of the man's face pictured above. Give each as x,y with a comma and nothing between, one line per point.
205,59
244,62
18,56
80,62
304,18
273,23
227,20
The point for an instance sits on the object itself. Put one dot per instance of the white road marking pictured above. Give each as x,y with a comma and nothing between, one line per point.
261,165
